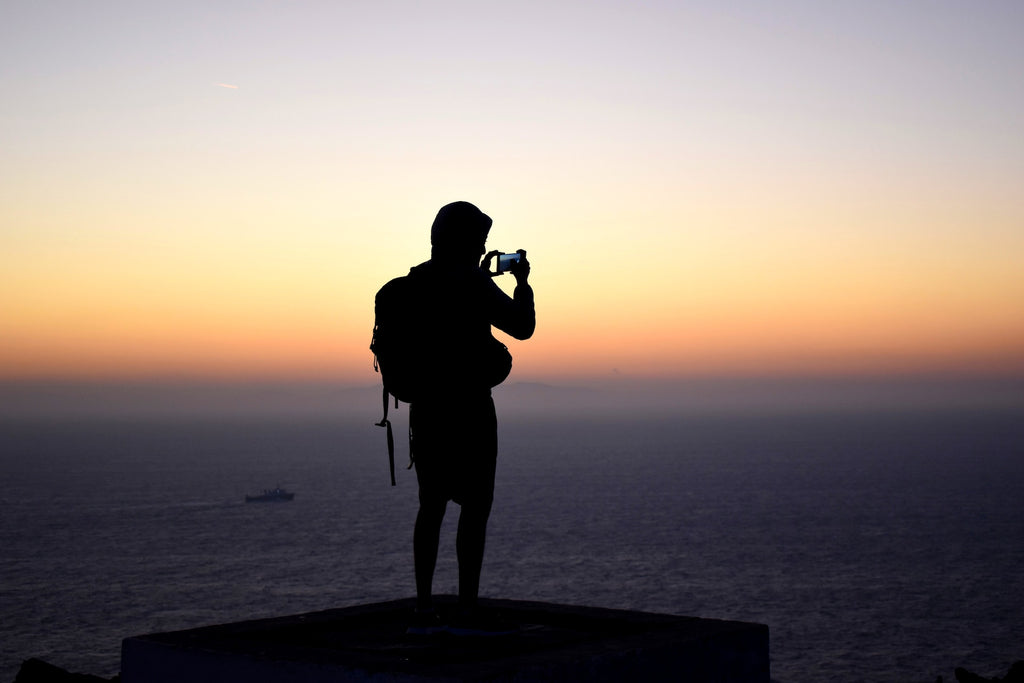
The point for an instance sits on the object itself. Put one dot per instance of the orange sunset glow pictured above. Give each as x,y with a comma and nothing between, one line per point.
784,190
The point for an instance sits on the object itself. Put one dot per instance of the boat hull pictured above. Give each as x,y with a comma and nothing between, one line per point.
276,496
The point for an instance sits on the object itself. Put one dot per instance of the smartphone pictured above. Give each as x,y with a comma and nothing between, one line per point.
505,262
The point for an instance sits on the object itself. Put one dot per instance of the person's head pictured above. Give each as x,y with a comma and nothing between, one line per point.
459,233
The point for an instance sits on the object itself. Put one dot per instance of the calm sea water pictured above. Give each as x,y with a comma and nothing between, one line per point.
876,547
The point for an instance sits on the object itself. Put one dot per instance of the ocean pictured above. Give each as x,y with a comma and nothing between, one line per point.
877,546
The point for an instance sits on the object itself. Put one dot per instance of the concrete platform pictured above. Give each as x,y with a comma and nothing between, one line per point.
368,643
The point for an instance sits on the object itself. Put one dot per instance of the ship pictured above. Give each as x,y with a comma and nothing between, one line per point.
270,496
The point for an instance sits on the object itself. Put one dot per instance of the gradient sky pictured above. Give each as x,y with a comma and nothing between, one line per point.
195,189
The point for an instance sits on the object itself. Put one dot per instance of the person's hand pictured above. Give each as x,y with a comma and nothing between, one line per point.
520,269
486,263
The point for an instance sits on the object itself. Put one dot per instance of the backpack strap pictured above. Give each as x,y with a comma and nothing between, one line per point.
385,422
412,453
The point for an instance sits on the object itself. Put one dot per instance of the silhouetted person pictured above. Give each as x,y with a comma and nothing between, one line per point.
452,423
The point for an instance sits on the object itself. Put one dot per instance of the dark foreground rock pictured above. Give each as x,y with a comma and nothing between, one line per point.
38,671
1014,675
545,642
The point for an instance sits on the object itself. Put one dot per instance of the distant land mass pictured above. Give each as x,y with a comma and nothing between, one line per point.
621,397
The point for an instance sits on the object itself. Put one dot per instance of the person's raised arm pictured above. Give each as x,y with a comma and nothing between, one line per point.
515,315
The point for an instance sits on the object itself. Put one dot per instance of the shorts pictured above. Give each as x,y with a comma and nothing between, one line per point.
455,448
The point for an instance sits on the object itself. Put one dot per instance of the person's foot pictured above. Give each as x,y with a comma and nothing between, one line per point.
425,623
479,623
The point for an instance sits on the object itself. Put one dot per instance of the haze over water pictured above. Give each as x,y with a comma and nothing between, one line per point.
877,544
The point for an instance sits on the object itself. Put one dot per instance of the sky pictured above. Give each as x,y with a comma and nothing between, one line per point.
217,190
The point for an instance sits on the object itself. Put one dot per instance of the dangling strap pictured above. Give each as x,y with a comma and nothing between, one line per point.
412,453
385,422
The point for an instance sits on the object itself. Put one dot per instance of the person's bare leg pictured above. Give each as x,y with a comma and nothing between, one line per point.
426,537
469,546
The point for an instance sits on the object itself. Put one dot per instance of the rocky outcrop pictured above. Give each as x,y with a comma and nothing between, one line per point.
1014,675
38,671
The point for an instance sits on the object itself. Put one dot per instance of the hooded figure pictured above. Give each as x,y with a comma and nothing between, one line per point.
453,427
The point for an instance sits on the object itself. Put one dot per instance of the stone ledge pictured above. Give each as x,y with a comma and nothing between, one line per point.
368,643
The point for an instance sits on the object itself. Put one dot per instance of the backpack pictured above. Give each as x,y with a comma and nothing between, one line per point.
405,350
395,355
396,328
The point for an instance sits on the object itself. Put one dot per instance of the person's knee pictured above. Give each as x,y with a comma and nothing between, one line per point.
476,511
432,508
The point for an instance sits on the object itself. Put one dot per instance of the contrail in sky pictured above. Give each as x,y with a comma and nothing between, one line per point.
225,85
